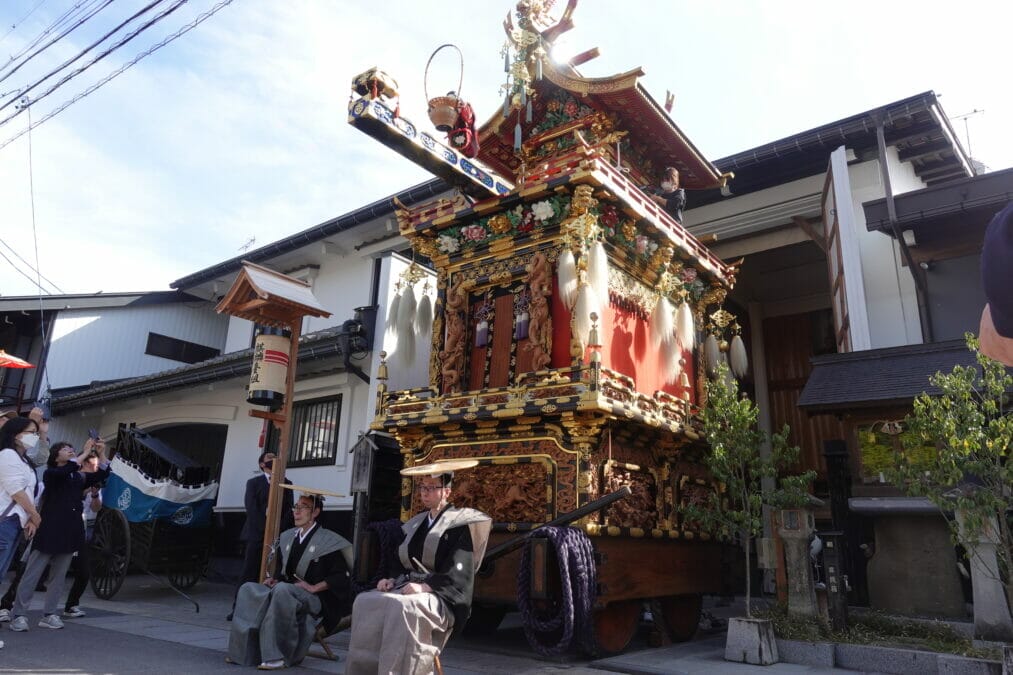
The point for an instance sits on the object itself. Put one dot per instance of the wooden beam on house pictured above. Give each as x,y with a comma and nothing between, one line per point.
809,227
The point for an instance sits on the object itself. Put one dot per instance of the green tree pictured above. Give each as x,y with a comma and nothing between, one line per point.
971,426
737,462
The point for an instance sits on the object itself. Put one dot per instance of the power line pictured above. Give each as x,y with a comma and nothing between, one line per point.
35,240
24,91
24,18
22,273
46,31
29,265
46,46
119,71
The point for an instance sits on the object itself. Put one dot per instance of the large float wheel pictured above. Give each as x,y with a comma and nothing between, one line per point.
681,614
110,553
484,620
188,578
616,624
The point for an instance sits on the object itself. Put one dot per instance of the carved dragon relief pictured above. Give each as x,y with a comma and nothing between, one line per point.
539,283
452,355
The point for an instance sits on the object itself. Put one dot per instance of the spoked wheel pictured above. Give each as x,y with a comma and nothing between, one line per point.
681,614
616,624
110,553
188,578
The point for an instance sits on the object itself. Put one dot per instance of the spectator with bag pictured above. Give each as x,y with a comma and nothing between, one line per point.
19,487
62,530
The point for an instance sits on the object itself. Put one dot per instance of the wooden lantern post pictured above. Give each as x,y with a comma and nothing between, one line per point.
270,298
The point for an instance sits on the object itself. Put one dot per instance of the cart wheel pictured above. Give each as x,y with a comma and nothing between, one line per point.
485,619
682,615
184,579
616,624
110,553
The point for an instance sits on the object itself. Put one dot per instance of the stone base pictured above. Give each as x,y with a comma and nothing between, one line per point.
751,641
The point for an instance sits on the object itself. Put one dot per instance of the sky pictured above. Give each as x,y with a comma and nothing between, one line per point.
238,131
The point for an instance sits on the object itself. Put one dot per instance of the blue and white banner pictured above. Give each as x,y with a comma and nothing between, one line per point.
143,499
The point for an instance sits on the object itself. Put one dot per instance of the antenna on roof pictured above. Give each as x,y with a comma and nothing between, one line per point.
669,101
967,132
249,243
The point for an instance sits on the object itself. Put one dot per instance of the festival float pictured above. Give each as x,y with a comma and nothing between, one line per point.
574,325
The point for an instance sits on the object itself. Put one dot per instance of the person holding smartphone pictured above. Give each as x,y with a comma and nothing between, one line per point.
91,504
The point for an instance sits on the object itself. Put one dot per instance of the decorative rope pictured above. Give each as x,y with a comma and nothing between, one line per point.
570,619
390,535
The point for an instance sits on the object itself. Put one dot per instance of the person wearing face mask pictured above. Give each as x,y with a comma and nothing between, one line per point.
255,501
19,487
672,198
62,529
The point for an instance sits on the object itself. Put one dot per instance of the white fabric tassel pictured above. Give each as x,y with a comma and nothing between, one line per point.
671,362
566,275
663,324
737,358
686,327
711,353
424,315
392,314
598,272
587,302
406,326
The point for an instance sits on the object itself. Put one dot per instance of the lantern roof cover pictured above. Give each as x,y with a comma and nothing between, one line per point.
270,298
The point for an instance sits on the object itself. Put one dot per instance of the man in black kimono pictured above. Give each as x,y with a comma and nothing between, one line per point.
403,625
275,621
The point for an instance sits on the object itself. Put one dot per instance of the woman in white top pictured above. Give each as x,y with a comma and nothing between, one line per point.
19,487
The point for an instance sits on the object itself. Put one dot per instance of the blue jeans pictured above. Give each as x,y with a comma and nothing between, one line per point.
10,536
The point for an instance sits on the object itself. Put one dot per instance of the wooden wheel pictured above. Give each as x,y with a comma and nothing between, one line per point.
681,614
485,619
110,553
616,624
184,579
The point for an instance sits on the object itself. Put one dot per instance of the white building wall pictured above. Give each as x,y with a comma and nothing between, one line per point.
240,335
891,301
108,344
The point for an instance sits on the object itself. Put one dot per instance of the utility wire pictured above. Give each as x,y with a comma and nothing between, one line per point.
23,273
35,239
158,45
57,23
59,37
29,265
26,90
24,18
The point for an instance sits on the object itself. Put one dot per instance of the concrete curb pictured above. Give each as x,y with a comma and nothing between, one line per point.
892,660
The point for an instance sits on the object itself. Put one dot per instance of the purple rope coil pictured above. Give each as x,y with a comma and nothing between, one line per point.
390,536
570,620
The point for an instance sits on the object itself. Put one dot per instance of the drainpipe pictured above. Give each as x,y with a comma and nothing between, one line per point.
921,287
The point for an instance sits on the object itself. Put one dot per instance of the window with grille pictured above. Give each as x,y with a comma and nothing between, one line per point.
314,432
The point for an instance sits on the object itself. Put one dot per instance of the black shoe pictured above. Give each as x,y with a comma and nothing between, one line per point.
229,617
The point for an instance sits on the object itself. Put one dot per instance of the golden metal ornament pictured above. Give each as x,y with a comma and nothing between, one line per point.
722,318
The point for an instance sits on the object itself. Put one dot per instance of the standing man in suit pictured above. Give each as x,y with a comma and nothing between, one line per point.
255,501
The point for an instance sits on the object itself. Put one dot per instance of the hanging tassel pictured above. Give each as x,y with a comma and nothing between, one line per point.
663,324
671,362
528,113
424,315
506,60
406,326
737,358
482,334
587,302
521,323
598,272
524,95
711,353
391,326
686,327
538,67
506,105
518,133
566,277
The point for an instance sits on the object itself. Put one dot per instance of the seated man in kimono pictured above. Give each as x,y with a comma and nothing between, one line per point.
402,626
275,621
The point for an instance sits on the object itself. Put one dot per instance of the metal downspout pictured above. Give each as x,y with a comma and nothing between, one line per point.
921,287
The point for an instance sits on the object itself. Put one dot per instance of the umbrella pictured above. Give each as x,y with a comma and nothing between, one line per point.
8,361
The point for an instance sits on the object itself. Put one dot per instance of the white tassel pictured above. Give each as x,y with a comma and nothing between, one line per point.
424,315
687,327
598,272
406,326
711,353
587,302
566,275
663,323
671,362
392,314
737,358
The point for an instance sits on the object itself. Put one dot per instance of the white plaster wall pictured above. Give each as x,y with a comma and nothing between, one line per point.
240,335
108,344
891,301
343,283
757,211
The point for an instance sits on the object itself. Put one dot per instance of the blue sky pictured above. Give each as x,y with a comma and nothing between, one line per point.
237,130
